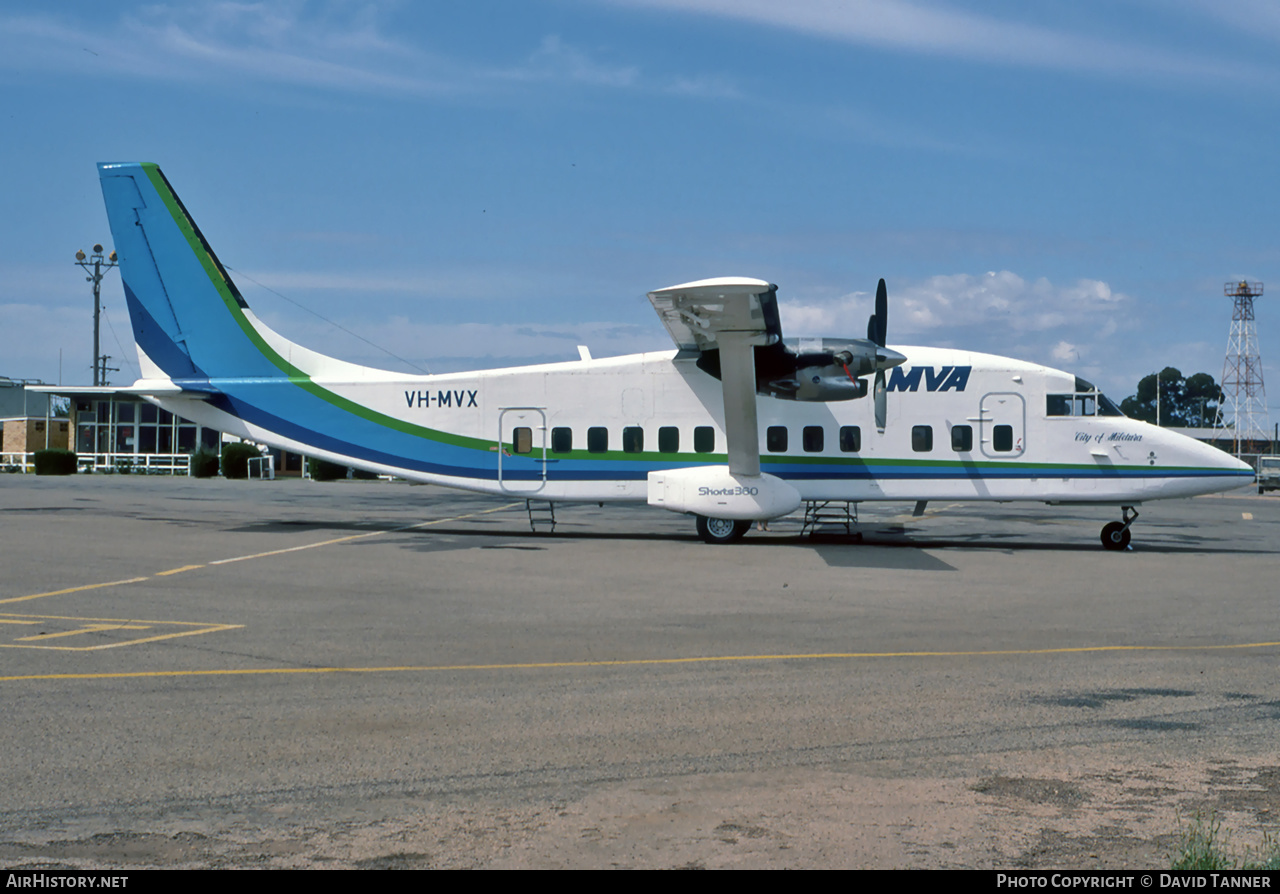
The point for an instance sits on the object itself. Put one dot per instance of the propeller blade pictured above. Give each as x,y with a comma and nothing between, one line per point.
882,401
882,314
872,330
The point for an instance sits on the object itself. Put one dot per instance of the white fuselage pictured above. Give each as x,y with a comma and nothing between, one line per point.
960,426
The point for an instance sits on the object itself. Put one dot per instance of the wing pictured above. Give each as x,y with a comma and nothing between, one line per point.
733,316
696,312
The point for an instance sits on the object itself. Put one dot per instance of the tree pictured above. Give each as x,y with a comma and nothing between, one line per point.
1184,402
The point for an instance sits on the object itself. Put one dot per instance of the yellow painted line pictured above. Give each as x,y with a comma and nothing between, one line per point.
349,537
274,552
294,549
178,570
92,628
212,628
39,618
1247,516
112,583
93,625
630,662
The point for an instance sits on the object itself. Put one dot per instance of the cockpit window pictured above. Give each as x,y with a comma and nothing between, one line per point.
1086,401
1106,407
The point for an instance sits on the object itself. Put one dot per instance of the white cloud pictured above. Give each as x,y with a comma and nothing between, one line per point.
1001,301
341,48
1085,326
1065,352
282,43
556,59
940,30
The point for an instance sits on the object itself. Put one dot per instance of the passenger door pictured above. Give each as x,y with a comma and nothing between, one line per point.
1003,425
522,450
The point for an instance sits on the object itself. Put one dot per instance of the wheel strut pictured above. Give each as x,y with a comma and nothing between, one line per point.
1116,535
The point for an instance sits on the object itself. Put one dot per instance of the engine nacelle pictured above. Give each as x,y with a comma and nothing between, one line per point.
716,493
817,383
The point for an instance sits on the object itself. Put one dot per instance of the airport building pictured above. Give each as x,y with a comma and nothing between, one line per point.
29,421
107,429
114,429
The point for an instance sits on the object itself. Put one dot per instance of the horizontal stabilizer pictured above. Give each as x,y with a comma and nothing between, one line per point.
140,388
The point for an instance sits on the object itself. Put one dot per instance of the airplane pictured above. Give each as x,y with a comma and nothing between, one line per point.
735,425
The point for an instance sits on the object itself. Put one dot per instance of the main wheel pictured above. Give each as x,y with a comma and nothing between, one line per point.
721,530
1115,536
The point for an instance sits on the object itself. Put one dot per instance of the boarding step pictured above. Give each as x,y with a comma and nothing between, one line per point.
541,512
827,514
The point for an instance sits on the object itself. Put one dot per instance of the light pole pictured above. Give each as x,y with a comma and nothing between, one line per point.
97,262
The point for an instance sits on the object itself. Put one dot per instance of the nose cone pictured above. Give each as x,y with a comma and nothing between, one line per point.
1197,468
886,358
1214,458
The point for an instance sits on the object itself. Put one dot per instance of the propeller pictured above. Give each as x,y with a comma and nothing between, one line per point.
876,329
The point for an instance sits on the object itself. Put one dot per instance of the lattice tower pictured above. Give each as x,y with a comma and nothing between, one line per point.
1244,405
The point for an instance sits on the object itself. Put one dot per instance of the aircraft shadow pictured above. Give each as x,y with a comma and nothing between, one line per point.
893,547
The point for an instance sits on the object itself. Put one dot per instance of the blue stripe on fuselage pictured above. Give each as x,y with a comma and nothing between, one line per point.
371,442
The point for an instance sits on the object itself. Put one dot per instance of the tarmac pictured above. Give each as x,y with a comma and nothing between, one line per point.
210,673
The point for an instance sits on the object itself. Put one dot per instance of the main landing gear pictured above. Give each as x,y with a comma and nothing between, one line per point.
1115,535
721,530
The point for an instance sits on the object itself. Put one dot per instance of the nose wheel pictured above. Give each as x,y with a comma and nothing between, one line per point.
1115,535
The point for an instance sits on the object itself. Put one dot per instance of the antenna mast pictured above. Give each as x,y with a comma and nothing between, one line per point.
1244,405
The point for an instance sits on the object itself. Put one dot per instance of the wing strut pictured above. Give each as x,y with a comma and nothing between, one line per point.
738,376
733,316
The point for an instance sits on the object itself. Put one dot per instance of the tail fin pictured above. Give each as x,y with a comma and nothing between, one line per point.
189,319
193,327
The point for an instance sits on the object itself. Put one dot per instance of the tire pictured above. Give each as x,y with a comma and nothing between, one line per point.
721,530
1115,536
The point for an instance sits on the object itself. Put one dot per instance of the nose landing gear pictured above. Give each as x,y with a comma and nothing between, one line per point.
1115,535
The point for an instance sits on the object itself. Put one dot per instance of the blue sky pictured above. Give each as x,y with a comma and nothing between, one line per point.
479,184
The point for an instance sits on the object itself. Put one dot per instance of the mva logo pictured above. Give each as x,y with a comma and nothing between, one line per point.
949,378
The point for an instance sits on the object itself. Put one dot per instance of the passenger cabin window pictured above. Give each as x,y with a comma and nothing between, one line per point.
669,439
775,439
522,440
922,438
812,438
633,439
704,439
961,438
850,438
561,440
597,439
1002,438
